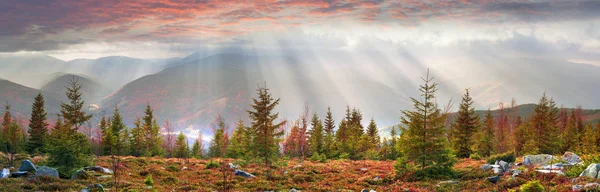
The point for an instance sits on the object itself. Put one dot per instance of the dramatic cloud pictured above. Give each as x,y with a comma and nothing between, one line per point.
60,26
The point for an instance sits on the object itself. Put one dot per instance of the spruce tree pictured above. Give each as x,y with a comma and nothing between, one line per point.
218,145
238,142
181,147
570,137
316,141
486,143
151,130
588,143
466,125
137,139
329,126
119,135
38,127
6,121
373,134
291,146
72,111
268,132
425,142
544,129
394,152
197,148
107,136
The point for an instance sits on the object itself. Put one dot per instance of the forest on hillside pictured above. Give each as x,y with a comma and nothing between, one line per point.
431,144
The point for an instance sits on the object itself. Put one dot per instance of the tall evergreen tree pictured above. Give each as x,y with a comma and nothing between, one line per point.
466,125
291,146
544,129
486,143
588,143
394,152
12,136
570,137
119,135
72,111
218,145
6,121
425,141
38,127
181,147
151,131
316,135
107,136
373,134
197,147
329,126
137,140
238,143
268,132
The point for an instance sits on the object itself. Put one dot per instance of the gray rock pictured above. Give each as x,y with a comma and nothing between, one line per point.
93,188
504,165
537,160
80,174
493,179
103,177
556,166
363,169
515,173
243,174
232,166
98,169
46,171
364,190
577,188
559,172
372,190
376,178
27,165
486,167
5,173
571,158
449,182
294,190
19,174
591,186
591,171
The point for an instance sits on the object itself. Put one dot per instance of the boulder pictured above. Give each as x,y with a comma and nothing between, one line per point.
243,174
364,190
98,169
486,167
571,158
233,166
19,174
93,188
80,174
504,165
589,186
537,160
556,166
551,171
5,173
577,188
376,178
27,165
46,171
493,179
515,173
591,171
449,182
497,169
294,190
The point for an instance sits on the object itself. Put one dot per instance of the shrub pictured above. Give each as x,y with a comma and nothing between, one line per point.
344,156
172,168
316,157
475,156
575,170
212,164
149,181
508,157
400,167
532,186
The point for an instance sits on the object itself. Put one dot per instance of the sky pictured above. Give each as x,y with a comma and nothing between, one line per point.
71,29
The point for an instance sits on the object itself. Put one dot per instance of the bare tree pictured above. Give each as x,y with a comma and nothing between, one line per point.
169,139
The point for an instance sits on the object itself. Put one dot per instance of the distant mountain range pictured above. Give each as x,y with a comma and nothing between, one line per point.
192,91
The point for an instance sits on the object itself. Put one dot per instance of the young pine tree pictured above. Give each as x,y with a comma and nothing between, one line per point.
486,143
197,147
267,132
238,143
119,134
425,143
373,135
72,111
137,141
181,147
588,143
291,144
38,127
570,137
218,145
316,136
329,125
544,130
466,125
151,131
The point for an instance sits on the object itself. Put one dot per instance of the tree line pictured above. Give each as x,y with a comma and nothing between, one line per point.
425,143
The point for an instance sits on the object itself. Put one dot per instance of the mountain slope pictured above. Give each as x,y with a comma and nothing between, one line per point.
92,91
21,99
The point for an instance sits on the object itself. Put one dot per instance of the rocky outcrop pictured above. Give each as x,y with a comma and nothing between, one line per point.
243,174
27,166
5,173
537,160
571,158
591,171
98,169
46,171
493,179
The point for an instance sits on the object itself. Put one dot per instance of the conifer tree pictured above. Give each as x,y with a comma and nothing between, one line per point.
218,145
502,131
107,136
521,136
544,129
291,146
119,135
466,125
12,136
268,132
6,121
137,139
197,147
70,149
151,131
373,135
588,143
181,147
342,136
169,141
316,135
485,146
72,111
329,126
570,137
238,142
425,142
394,152
38,127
